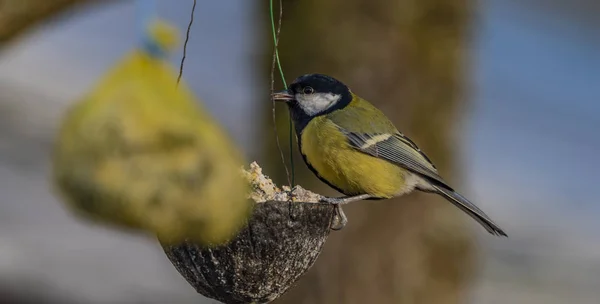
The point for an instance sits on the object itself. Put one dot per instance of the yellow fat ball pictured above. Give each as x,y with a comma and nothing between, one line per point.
139,152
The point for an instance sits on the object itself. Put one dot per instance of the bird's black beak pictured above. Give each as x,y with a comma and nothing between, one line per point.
283,96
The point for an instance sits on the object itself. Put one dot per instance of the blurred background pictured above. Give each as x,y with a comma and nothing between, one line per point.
503,94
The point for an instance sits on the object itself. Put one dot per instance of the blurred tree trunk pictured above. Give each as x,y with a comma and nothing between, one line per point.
409,58
16,16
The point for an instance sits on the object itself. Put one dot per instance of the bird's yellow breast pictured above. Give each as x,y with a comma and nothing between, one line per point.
326,149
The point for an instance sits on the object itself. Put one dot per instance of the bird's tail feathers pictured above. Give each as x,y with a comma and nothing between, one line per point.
469,208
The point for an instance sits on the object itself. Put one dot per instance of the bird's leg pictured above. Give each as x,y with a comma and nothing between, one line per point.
340,220
344,200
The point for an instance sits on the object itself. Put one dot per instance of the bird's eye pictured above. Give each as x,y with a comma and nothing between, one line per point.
308,90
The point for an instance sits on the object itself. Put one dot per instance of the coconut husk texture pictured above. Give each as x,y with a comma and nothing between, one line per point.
281,241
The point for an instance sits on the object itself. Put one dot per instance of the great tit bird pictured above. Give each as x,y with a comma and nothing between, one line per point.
353,147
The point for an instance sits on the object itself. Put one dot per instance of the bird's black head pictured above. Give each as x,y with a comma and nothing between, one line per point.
314,95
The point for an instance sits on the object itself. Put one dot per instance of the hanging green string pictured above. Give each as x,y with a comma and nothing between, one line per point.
276,42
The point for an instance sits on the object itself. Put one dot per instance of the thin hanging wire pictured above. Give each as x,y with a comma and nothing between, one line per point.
187,39
276,61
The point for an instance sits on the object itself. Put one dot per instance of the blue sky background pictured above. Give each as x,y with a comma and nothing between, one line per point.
534,128
530,139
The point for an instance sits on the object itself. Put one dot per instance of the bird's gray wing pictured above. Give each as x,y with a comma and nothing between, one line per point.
395,148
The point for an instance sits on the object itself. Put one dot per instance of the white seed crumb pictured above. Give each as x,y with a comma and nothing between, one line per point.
263,189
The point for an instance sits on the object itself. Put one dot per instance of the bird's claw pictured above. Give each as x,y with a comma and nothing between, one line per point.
339,219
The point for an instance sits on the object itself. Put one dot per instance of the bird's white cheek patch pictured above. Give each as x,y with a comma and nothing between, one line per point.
316,103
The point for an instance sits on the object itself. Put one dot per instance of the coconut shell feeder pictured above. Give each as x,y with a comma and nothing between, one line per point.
280,242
